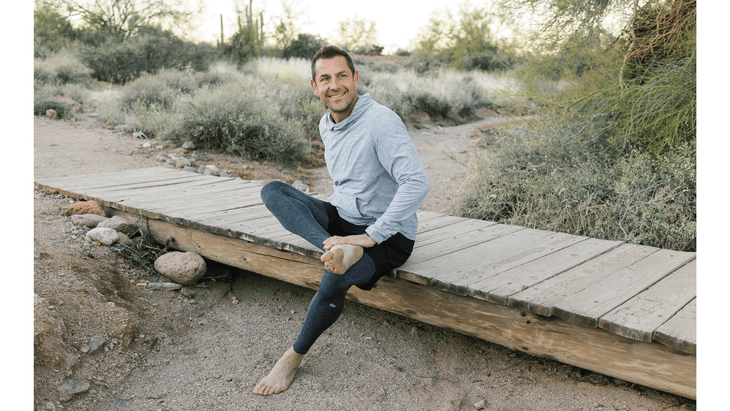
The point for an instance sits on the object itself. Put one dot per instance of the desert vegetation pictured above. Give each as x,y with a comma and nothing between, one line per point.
611,152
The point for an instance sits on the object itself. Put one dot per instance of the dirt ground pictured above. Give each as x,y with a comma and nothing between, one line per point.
206,347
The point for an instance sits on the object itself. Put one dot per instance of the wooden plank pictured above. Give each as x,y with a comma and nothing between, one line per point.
104,188
485,260
450,232
226,204
426,262
104,179
639,317
680,332
194,186
498,288
587,306
650,364
428,224
542,297
233,216
204,199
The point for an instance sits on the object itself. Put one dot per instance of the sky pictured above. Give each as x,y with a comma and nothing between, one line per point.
397,22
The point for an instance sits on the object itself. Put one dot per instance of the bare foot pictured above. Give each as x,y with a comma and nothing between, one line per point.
282,375
341,257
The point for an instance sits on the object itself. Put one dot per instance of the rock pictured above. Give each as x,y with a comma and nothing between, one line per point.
147,145
51,113
120,224
209,169
103,235
187,293
73,387
191,169
123,239
96,342
183,268
48,332
300,186
188,145
480,404
163,286
87,207
87,220
223,174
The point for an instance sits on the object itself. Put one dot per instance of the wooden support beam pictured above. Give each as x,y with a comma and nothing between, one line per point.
650,364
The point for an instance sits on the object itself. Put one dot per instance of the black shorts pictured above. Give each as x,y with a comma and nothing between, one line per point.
388,255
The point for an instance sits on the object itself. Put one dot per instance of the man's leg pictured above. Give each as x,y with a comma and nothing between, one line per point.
298,212
307,217
325,308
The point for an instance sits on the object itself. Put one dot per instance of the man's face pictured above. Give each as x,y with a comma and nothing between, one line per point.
336,86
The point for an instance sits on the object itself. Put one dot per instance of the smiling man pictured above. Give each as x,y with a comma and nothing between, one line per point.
368,225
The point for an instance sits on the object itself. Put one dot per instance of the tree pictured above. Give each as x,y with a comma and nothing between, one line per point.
51,30
304,46
465,42
286,26
354,33
631,67
120,19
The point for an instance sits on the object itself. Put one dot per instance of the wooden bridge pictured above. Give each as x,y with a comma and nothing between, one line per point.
623,310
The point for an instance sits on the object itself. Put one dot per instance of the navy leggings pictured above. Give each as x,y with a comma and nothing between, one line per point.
311,219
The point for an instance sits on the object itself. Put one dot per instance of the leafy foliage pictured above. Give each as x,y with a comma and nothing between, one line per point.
232,120
355,32
304,46
120,19
464,42
542,176
147,52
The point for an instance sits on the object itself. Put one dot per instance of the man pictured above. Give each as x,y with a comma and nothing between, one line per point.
368,226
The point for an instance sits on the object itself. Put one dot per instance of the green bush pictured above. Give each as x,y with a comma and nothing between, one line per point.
56,97
149,52
305,46
548,177
233,120
160,88
61,68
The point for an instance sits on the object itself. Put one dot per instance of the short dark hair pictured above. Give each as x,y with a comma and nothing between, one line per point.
328,52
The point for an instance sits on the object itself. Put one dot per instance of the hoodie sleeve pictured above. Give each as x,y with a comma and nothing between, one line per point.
399,158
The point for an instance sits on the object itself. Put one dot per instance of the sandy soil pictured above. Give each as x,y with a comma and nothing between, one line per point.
206,347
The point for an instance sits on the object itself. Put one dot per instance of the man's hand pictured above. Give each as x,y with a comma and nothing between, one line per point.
363,240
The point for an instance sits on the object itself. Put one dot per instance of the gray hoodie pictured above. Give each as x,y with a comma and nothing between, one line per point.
379,180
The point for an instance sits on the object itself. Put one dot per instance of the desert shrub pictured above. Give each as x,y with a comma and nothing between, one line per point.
303,47
386,66
548,177
446,94
54,96
234,120
152,50
160,88
62,68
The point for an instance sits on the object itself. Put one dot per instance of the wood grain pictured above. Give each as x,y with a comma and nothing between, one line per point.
639,317
587,306
680,332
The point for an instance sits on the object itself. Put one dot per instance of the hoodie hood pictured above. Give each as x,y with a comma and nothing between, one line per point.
364,102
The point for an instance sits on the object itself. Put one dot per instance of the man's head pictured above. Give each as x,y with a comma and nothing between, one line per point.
328,52
334,81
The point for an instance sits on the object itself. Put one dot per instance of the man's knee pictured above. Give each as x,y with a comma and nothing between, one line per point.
271,190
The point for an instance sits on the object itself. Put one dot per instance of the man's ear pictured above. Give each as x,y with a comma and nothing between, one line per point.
314,87
356,78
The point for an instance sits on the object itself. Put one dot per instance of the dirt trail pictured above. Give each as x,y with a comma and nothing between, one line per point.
205,348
